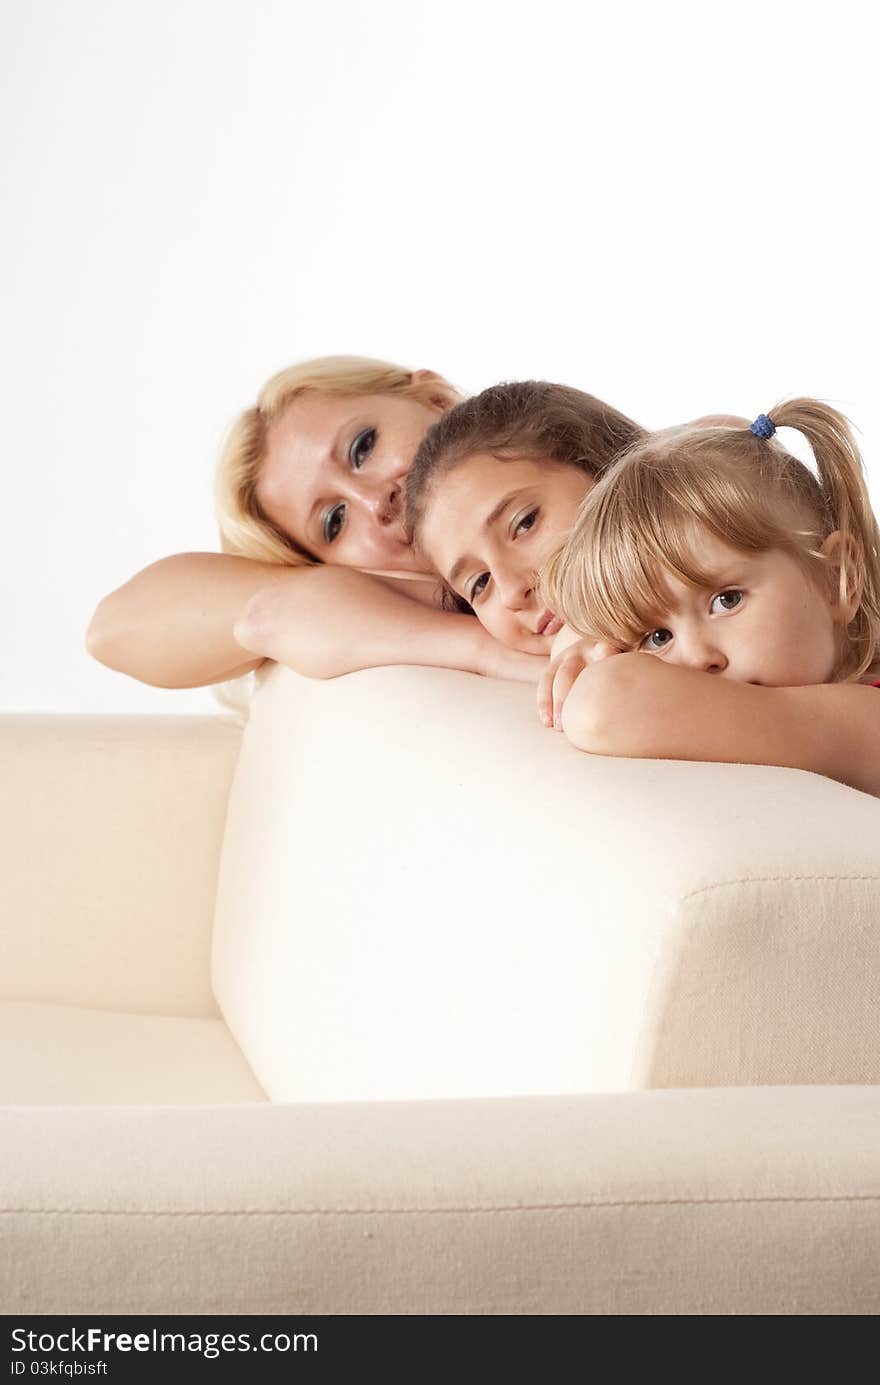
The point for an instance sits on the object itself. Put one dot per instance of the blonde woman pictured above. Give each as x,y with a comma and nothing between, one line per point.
318,571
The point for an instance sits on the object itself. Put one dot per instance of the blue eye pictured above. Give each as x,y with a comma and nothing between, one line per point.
361,448
333,522
729,599
478,586
656,639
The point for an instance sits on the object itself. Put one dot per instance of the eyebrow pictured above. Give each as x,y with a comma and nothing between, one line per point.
728,576
490,519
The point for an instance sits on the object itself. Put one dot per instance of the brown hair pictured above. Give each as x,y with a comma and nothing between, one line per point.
531,419
244,527
636,527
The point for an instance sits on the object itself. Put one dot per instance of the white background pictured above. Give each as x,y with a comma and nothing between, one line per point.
672,206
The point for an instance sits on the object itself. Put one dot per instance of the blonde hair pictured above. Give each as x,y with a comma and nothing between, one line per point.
244,527
636,527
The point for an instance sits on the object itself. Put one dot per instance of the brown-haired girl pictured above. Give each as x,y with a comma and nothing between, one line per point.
495,482
754,586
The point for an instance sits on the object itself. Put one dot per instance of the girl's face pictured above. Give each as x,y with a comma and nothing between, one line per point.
488,528
762,620
334,474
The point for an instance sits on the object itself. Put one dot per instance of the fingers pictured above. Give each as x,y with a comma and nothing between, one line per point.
563,672
545,694
555,685
566,677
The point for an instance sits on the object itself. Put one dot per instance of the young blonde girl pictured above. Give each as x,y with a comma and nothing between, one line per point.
753,585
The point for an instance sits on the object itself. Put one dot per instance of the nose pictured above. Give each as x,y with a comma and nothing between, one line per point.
698,651
385,503
514,588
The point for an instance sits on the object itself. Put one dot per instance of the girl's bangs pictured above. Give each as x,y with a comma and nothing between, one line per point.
630,591
645,532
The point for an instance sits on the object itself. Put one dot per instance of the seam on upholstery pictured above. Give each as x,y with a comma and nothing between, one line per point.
771,880
430,1211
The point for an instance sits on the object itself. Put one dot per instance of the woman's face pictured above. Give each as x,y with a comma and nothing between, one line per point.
334,474
488,528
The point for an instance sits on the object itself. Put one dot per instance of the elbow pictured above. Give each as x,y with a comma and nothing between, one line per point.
96,639
113,641
104,638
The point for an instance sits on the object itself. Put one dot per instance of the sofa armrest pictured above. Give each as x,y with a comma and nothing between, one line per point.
744,1201
110,834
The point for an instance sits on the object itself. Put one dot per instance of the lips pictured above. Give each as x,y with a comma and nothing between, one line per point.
549,624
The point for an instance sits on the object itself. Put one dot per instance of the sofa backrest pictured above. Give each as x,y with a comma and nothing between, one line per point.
425,893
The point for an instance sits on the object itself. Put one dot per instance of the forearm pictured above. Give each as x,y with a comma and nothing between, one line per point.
343,620
637,706
172,624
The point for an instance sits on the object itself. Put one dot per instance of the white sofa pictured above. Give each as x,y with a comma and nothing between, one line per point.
406,1007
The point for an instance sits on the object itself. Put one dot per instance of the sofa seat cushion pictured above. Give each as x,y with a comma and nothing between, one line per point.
752,1201
62,1054
425,893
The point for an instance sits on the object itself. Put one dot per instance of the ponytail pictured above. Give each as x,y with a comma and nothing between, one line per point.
635,528
847,510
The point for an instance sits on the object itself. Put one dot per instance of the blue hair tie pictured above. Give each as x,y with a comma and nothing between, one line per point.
763,427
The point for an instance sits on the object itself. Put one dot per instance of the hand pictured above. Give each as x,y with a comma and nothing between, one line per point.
500,662
563,672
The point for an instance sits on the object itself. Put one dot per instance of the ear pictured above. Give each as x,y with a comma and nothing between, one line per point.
843,607
444,396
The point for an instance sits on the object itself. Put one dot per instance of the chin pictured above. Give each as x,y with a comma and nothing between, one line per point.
405,559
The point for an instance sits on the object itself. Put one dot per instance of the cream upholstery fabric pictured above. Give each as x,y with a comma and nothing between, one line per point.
59,1053
424,893
570,919
761,1201
109,846
110,832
